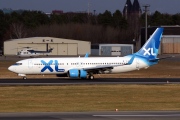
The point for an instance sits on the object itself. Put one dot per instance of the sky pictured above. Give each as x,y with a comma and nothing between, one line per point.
163,6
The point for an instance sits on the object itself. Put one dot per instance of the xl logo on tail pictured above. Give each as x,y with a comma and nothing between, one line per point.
149,51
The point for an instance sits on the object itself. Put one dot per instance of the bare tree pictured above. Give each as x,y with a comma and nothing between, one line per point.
18,30
86,32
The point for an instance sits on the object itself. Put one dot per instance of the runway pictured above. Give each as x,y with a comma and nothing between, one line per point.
67,81
147,115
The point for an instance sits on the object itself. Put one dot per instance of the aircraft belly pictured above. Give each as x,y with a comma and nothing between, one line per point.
122,69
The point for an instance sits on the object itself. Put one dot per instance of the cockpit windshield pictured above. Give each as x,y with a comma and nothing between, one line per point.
18,64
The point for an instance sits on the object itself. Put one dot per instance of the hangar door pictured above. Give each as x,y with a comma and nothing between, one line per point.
116,51
62,49
171,45
72,49
36,46
67,49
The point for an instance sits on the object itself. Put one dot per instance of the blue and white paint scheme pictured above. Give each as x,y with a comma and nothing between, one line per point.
86,67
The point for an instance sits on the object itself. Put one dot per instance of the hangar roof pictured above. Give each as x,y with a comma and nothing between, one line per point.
45,40
174,36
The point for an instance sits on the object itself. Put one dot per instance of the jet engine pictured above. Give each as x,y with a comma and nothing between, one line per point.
75,73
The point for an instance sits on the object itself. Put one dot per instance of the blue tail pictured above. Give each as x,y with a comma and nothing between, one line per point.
151,47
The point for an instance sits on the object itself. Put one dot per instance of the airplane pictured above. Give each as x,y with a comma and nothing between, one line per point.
86,67
29,52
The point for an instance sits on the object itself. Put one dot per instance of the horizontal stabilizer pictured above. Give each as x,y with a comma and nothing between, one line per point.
157,59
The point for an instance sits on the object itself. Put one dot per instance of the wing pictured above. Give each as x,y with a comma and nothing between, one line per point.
101,68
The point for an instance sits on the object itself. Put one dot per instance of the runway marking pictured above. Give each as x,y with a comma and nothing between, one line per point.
136,115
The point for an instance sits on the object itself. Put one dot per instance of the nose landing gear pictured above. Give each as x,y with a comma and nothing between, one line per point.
23,75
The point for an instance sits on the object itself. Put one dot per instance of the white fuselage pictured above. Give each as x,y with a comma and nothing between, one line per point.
63,65
85,67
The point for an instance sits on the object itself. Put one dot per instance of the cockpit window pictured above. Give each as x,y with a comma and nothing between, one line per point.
18,64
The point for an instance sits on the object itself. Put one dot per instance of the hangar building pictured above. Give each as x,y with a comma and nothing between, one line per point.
170,44
60,46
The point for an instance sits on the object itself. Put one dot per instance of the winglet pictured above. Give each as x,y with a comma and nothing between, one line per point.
86,55
131,60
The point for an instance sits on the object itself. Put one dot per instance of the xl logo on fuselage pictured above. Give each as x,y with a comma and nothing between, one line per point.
149,51
47,66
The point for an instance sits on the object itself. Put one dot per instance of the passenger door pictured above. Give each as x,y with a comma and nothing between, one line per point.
137,64
30,64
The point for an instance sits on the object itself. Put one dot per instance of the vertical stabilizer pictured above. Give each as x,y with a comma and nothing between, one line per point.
151,47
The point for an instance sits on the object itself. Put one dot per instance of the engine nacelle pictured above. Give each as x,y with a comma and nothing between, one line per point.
75,73
83,74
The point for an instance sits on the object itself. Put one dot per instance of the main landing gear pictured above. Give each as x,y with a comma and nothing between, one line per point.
91,77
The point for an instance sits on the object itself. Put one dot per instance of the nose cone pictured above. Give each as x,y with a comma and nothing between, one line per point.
11,68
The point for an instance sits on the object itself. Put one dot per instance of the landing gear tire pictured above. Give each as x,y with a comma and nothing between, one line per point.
24,78
91,77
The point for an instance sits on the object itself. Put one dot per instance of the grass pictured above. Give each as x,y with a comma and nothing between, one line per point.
89,98
93,97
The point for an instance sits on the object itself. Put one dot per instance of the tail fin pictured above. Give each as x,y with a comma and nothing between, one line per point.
86,55
151,47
